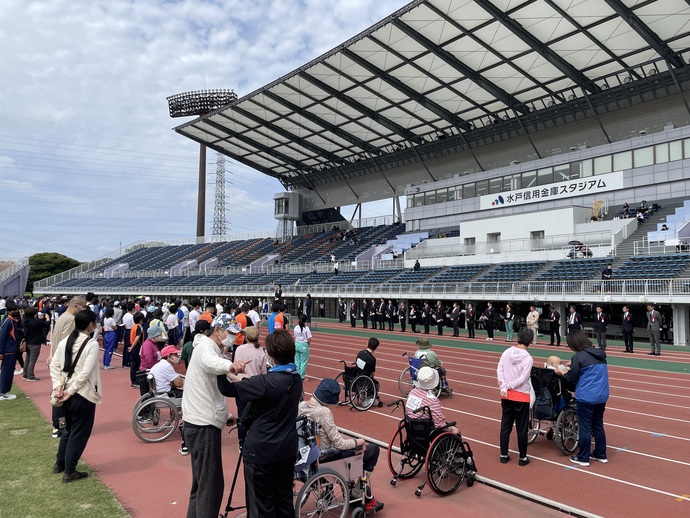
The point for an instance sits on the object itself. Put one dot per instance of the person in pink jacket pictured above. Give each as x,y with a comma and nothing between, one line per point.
513,372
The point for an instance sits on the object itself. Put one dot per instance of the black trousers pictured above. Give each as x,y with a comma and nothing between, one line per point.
628,340
439,325
456,328
518,413
470,329
353,320
365,321
426,326
402,324
369,460
555,335
489,330
268,489
382,322
80,414
391,324
207,470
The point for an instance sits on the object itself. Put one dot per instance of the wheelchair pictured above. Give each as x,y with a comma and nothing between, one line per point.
360,390
448,459
156,416
562,423
328,487
409,375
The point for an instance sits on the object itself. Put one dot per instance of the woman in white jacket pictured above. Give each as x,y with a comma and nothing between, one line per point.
75,365
513,372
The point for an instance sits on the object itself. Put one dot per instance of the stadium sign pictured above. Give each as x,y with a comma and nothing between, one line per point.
553,191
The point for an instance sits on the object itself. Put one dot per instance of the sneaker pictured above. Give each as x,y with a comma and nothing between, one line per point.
7,397
21,371
523,462
603,460
77,475
373,506
579,462
504,460
57,469
108,367
134,385
56,433
144,419
33,378
184,450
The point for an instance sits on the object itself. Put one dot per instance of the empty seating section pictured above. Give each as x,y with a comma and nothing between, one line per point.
573,269
376,277
653,267
345,277
511,272
414,277
464,273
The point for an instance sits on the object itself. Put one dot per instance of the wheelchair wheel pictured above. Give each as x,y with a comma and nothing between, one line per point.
155,420
407,463
143,398
567,431
325,494
405,382
362,393
446,464
533,427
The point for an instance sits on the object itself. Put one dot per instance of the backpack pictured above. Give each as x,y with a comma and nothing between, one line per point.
543,406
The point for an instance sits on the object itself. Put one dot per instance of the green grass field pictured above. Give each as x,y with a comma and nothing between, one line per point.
28,488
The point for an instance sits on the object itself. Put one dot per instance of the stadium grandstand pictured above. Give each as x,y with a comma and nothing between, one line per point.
533,142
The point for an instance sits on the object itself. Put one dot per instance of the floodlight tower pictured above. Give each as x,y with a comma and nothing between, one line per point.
220,223
196,103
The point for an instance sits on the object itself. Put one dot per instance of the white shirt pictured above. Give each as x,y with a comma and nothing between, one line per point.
185,316
164,374
172,321
109,324
193,319
302,334
128,320
254,316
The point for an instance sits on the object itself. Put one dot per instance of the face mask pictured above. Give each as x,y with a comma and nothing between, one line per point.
229,340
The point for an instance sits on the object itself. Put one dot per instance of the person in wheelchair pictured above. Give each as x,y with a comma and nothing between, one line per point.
560,395
422,395
332,443
431,358
170,382
366,363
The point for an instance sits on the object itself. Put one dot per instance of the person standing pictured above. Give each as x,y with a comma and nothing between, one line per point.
341,311
590,376
365,313
508,320
381,314
205,413
513,373
470,320
390,315
533,322
109,337
439,315
271,442
555,326
402,315
35,333
9,345
302,345
118,315
574,320
253,317
353,314
278,295
606,275
426,317
76,383
322,307
601,322
489,321
455,319
654,330
413,318
627,329
308,308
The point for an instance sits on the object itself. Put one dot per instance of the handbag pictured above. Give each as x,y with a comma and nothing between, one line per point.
22,346
57,392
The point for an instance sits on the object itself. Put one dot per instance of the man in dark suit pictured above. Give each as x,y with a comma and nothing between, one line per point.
601,322
574,320
627,328
402,314
390,315
426,317
489,321
455,319
440,315
365,313
654,329
554,320
353,313
470,320
381,314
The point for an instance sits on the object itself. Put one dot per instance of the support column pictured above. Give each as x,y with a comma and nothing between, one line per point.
681,314
201,200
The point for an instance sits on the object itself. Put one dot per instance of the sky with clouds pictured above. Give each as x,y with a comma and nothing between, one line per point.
88,160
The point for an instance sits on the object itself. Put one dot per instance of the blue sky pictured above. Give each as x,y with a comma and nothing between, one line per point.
88,160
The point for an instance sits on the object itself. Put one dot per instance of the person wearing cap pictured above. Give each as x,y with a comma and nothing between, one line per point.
271,442
423,395
256,363
328,393
430,356
205,412
149,349
513,373
168,381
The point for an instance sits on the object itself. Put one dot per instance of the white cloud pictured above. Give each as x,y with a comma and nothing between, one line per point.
87,155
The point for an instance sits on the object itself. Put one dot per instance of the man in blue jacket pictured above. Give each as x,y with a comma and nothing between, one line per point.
590,376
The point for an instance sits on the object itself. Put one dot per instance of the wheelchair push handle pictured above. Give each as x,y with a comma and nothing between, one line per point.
396,404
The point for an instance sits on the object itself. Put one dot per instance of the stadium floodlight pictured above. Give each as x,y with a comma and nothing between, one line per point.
199,102
196,103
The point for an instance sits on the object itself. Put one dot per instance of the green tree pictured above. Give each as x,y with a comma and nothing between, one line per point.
46,264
